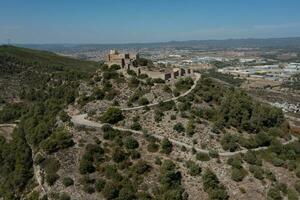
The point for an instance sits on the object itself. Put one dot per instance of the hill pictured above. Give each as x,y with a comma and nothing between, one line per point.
21,67
282,43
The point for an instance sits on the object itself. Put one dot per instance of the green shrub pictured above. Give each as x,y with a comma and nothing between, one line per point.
152,147
213,187
64,196
67,181
136,126
251,158
179,127
166,146
119,155
297,186
60,139
143,101
257,172
88,189
131,143
193,168
110,190
292,194
112,116
238,174
99,185
141,167
274,193
229,142
277,162
51,178
39,158
202,156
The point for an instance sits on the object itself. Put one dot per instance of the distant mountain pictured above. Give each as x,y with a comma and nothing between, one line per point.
290,43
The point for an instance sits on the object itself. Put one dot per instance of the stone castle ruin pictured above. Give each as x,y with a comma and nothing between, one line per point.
125,61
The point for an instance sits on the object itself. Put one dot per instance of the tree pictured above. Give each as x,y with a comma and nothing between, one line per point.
112,116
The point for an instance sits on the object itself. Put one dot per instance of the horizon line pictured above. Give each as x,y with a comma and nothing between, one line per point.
154,42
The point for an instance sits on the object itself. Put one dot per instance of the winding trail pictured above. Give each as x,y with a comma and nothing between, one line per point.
81,120
198,76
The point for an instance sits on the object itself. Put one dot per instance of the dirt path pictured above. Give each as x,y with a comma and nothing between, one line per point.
81,120
198,76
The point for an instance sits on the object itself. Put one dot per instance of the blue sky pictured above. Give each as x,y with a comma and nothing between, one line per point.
124,21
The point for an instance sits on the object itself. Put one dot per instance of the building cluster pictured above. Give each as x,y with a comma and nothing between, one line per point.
277,72
126,62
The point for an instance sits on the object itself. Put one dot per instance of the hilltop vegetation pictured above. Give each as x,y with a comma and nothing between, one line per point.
49,83
23,69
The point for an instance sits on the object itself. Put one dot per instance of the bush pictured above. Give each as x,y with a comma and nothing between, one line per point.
297,186
39,158
86,166
119,155
110,190
141,167
51,178
99,94
158,115
213,153
67,181
235,161
166,146
190,128
136,126
213,187
88,189
251,158
257,172
152,147
229,142
238,174
135,154
193,168
277,162
202,156
100,185
274,193
179,127
60,139
292,194
143,101
64,196
131,143
112,116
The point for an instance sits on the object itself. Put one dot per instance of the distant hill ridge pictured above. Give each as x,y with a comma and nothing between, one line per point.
290,42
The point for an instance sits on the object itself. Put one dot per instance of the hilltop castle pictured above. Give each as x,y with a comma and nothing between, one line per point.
125,61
